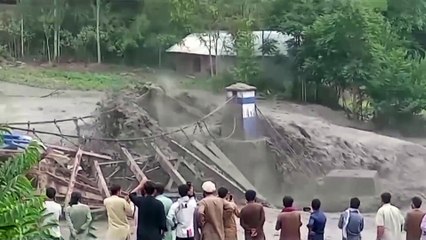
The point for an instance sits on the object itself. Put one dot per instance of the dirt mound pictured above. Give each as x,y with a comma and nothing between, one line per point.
323,146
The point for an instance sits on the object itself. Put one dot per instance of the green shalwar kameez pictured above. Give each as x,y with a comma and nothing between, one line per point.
78,218
167,202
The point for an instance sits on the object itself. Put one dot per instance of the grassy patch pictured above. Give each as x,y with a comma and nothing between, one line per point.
62,79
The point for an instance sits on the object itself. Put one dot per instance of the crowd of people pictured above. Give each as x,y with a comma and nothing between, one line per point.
215,216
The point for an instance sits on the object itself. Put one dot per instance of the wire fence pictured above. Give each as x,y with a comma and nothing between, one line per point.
15,126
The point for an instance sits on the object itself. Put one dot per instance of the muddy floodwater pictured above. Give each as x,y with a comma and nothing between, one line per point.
21,103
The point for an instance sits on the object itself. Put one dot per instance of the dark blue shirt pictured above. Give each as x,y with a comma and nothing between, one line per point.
316,224
151,217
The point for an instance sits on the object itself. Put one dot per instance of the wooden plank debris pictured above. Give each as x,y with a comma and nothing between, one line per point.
73,151
78,184
210,170
71,184
134,167
101,180
176,167
225,164
80,178
168,167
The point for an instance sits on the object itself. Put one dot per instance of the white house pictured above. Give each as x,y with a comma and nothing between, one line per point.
192,54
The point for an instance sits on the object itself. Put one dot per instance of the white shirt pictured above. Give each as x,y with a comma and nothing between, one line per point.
181,213
391,218
55,210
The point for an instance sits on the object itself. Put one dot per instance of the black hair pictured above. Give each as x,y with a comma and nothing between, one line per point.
222,192
417,202
316,204
115,189
159,187
354,203
386,197
183,190
149,187
190,185
288,201
75,198
250,195
50,192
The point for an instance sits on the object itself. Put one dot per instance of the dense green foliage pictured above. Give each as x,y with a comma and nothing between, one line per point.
61,30
366,55
22,213
21,210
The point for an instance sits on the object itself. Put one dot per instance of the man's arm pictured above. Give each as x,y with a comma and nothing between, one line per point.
341,220
262,216
171,215
405,222
73,232
236,211
140,185
380,223
135,199
278,224
201,213
361,227
310,225
86,225
423,224
228,206
128,208
163,221
243,224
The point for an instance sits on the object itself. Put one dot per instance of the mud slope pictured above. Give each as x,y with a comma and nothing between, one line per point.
325,146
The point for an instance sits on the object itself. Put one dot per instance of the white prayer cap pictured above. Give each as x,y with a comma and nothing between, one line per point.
208,187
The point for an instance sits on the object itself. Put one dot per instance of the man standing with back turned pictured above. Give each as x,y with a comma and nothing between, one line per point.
317,221
118,209
167,203
229,222
351,221
389,220
414,219
151,215
181,215
211,210
289,221
252,218
55,210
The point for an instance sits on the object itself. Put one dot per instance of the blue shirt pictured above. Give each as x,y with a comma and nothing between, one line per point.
316,224
355,224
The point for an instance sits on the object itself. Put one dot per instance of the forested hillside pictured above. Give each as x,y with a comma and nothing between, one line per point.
366,55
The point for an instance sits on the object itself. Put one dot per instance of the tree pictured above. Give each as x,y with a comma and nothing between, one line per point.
293,17
398,89
98,37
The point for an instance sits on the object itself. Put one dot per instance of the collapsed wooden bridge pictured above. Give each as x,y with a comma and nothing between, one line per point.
171,163
157,155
